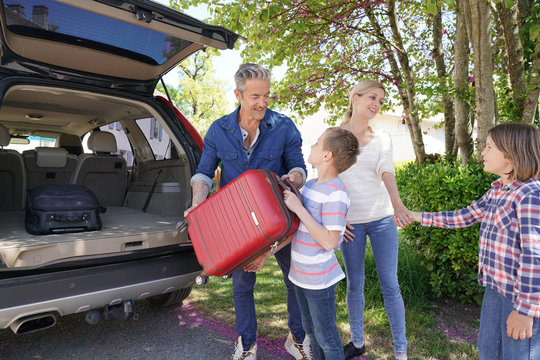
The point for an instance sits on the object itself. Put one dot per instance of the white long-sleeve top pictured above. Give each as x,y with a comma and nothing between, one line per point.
369,198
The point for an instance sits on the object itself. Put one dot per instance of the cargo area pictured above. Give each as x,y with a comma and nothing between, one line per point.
124,229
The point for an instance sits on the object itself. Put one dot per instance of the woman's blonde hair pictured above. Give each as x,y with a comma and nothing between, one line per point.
361,88
520,143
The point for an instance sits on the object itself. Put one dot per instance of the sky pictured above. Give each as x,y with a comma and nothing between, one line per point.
225,65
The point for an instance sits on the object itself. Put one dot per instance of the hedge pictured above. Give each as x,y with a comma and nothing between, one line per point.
451,256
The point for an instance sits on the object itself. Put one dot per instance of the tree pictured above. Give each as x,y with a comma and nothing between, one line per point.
479,26
444,79
462,99
200,95
520,21
328,46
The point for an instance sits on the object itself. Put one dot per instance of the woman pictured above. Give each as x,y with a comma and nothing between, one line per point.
374,198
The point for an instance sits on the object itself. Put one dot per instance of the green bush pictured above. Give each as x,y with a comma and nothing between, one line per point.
451,256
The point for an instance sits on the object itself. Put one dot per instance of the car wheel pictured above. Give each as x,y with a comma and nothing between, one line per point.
171,298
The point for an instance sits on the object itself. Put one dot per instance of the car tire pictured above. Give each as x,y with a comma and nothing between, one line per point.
172,298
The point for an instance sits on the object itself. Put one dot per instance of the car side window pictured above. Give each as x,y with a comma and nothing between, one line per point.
157,138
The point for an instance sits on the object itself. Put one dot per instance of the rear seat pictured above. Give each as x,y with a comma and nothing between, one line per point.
103,172
72,143
12,175
47,165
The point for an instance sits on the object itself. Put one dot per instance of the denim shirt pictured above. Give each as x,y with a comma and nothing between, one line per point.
278,148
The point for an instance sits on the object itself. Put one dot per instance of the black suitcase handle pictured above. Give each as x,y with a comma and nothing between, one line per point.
67,218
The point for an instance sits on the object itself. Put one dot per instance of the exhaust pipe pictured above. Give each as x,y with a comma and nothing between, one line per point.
33,323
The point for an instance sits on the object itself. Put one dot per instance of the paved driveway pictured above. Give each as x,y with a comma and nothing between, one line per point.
157,334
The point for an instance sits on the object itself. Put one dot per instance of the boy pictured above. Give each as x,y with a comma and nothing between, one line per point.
315,270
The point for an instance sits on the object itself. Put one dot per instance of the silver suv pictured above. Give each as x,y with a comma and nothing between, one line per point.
71,70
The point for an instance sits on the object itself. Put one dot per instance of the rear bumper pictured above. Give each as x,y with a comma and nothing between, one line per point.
82,289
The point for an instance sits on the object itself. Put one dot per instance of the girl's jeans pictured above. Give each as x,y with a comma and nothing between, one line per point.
493,343
384,242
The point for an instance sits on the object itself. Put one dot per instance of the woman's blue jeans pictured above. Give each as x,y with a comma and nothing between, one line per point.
318,309
384,242
493,342
244,301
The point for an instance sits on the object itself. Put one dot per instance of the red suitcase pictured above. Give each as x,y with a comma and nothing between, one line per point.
240,222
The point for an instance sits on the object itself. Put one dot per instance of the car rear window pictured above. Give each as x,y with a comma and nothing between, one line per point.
56,21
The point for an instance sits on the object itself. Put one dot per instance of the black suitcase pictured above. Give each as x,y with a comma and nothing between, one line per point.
52,208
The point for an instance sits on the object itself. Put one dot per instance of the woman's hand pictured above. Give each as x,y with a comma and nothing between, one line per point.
402,216
348,235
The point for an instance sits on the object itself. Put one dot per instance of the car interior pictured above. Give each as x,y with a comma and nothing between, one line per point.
52,135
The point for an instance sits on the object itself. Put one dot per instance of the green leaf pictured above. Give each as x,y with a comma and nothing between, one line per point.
534,32
431,7
508,3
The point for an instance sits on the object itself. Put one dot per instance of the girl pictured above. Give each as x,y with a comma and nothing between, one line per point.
509,248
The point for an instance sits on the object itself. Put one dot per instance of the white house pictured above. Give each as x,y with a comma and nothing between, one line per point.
313,126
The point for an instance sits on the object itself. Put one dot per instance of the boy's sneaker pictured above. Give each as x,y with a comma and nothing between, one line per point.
240,354
352,351
299,351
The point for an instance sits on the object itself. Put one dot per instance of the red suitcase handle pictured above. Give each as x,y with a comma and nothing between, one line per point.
288,185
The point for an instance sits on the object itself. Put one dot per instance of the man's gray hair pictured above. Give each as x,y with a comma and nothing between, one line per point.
250,71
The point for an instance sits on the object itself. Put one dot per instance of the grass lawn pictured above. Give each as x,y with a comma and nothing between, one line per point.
436,329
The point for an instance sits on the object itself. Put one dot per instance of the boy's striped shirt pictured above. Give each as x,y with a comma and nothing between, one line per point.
313,267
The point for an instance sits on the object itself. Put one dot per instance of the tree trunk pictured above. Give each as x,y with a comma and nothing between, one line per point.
464,125
531,102
524,7
480,25
386,48
448,106
414,118
516,68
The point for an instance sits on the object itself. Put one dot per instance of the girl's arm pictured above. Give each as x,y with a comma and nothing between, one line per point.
417,216
327,238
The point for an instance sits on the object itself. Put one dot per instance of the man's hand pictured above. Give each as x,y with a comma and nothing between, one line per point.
295,177
188,210
518,326
258,263
200,192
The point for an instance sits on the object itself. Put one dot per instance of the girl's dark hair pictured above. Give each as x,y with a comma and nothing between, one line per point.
520,143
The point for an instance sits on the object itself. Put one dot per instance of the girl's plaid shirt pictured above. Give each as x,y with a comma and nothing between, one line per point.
509,248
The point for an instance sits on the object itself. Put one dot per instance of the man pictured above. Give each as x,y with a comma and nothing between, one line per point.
254,137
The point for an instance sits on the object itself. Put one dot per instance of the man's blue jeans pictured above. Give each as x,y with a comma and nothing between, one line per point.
244,302
493,343
384,242
318,309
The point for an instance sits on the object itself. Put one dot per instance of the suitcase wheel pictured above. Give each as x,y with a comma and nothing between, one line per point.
201,280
